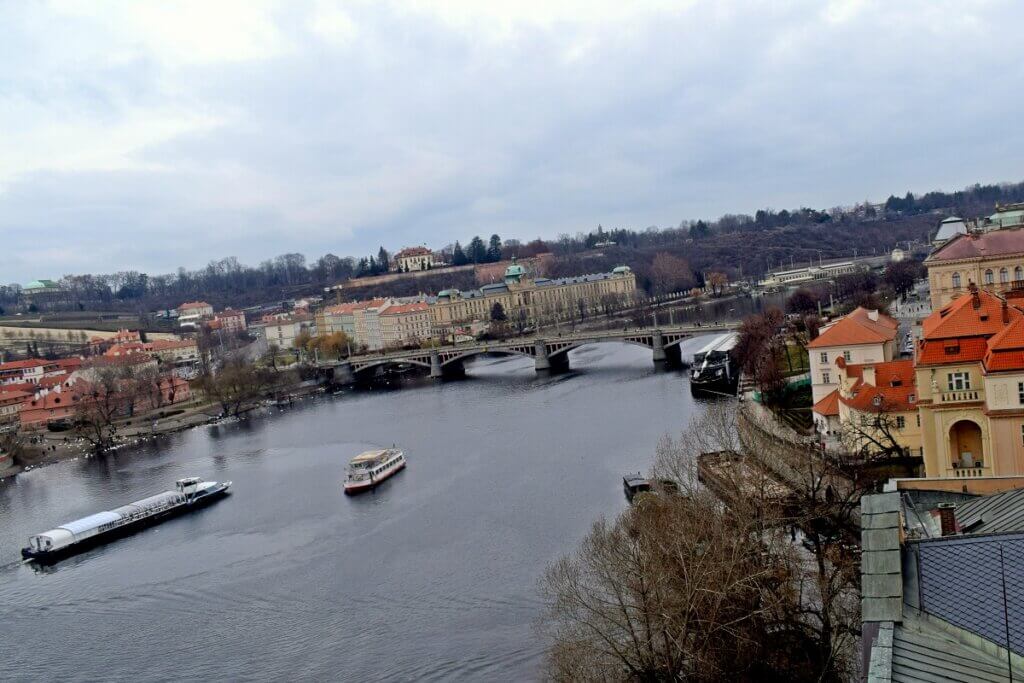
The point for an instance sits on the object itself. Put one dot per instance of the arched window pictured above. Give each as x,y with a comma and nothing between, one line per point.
1018,273
956,280
1004,276
989,277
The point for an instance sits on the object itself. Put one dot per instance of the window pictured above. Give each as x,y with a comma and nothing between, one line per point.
1018,273
959,381
956,280
846,356
901,422
912,398
1020,392
825,378
824,356
1004,276
988,277
919,420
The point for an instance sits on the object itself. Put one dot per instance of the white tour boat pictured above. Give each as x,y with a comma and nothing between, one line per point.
370,468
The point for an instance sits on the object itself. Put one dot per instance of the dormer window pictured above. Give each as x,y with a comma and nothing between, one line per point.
876,401
912,398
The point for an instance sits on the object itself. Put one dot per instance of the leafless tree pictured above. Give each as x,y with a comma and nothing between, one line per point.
238,385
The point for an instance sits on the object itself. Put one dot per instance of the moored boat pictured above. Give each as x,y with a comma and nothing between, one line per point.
370,468
73,537
713,369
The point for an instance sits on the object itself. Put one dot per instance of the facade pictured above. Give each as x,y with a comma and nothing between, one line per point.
173,352
31,371
404,324
530,300
970,376
414,258
826,271
283,331
861,337
874,409
192,313
10,409
989,254
42,292
230,320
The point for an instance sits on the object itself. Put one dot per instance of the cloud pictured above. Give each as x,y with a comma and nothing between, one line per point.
152,135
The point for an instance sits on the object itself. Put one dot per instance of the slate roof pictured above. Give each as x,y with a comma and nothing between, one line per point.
923,652
994,513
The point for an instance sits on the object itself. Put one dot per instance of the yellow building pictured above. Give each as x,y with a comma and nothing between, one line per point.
530,300
970,377
990,255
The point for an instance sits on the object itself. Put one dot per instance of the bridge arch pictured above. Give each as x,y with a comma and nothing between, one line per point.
587,342
373,365
473,353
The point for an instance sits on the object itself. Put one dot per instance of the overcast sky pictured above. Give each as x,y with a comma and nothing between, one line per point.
155,135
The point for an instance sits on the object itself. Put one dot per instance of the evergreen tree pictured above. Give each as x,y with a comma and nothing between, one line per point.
383,260
498,313
494,249
477,252
459,256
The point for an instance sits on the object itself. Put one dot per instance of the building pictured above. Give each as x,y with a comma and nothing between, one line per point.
531,300
173,351
874,409
190,314
989,253
283,330
42,293
823,271
10,409
404,324
533,266
948,229
31,371
940,571
970,377
861,337
230,320
414,258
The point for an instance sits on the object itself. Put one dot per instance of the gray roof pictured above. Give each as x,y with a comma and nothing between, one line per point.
996,513
949,228
976,583
494,288
922,650
555,282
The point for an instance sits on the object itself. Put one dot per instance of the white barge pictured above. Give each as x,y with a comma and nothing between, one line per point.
368,469
87,532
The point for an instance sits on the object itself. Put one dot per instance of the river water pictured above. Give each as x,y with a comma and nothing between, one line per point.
433,576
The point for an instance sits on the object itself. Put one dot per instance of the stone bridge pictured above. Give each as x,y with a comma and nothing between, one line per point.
550,354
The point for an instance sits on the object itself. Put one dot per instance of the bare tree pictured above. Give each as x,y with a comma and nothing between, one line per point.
105,399
238,385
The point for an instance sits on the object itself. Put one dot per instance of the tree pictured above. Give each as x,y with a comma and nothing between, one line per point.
680,587
273,350
700,230
476,251
874,433
717,281
803,301
333,345
670,273
383,260
901,276
238,385
498,313
459,256
100,402
494,249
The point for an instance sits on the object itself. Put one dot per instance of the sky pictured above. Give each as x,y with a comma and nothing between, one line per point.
151,135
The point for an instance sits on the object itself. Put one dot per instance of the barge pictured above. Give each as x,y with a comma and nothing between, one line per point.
74,537
713,369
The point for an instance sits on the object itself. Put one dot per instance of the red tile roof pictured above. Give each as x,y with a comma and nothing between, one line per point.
1006,349
828,406
857,328
951,351
977,313
399,309
894,386
413,251
988,244
9,397
25,364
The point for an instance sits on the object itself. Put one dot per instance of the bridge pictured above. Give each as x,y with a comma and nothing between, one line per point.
550,354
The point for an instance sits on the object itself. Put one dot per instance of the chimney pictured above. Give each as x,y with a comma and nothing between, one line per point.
1006,313
947,518
873,315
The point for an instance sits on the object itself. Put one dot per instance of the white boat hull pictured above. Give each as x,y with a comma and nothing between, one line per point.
367,484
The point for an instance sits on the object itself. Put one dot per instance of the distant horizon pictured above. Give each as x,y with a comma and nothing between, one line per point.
150,136
311,258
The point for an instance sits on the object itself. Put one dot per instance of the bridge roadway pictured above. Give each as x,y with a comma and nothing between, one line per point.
550,354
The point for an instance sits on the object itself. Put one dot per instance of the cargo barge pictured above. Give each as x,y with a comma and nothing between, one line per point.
74,537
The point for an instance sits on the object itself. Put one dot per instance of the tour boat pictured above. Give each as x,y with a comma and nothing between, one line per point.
370,468
190,493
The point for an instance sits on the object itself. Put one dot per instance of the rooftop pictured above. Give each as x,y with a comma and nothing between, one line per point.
979,245
860,326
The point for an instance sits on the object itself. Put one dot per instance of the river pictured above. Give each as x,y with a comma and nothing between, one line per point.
433,576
